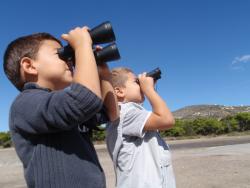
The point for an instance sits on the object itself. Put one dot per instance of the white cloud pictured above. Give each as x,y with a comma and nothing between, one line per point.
241,63
242,59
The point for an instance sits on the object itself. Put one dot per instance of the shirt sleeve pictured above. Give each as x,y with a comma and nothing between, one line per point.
39,111
134,120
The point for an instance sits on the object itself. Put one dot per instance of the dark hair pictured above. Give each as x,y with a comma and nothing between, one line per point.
26,46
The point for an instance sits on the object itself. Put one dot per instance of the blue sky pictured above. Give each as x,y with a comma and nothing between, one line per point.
201,46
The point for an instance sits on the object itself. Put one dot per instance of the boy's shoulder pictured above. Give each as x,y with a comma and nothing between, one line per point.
26,93
29,98
132,110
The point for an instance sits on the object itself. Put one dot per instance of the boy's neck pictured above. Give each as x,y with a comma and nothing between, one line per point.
33,85
49,86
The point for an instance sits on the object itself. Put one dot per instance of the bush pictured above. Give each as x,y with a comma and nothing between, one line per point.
7,144
98,135
188,127
207,126
202,126
243,121
177,131
181,128
5,139
230,124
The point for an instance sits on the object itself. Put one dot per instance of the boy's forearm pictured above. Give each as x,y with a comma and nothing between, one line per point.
159,106
109,99
86,69
108,94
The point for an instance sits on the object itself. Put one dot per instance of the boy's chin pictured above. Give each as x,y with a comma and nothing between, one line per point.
140,101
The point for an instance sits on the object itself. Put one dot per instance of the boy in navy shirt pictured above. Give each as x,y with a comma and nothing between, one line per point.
44,118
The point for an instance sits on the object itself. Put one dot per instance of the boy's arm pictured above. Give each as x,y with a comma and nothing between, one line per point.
108,96
161,118
85,65
37,111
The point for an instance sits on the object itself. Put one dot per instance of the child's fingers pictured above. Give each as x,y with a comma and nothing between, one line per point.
139,76
142,75
85,28
65,36
98,48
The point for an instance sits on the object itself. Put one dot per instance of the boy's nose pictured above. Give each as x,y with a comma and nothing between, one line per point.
137,81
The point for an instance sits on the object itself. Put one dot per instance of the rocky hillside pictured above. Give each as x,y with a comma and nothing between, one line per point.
212,111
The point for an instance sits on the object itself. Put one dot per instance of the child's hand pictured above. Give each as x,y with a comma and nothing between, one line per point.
78,37
146,83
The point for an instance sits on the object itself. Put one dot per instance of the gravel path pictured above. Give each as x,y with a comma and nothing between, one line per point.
202,163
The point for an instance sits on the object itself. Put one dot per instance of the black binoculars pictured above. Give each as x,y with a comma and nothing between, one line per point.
102,33
155,74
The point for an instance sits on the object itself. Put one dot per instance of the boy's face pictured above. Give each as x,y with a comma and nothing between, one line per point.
132,90
52,72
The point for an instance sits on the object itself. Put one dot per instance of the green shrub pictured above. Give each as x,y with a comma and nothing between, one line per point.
201,126
98,135
243,121
7,144
189,128
177,131
230,124
5,140
181,128
207,126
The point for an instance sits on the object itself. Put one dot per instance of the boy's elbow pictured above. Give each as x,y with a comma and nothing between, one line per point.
172,122
168,123
113,115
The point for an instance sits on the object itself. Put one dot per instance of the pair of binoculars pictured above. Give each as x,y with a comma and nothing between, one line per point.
102,33
155,74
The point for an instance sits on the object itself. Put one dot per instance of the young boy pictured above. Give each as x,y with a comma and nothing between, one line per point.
53,102
141,157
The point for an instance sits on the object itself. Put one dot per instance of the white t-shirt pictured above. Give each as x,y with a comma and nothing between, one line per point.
141,159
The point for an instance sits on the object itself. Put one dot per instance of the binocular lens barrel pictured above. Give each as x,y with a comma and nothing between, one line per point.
109,53
155,74
102,33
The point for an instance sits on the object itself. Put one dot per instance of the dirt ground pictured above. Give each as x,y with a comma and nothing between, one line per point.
204,163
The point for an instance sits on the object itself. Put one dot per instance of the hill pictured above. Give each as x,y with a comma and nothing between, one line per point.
211,111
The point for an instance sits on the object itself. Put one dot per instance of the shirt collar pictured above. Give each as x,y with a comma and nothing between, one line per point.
120,103
31,85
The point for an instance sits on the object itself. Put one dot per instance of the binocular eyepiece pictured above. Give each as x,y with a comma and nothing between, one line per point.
102,33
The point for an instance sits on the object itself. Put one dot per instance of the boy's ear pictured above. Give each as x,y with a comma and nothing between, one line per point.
27,66
119,91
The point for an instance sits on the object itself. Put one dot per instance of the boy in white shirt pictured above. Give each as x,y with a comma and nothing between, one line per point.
141,157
